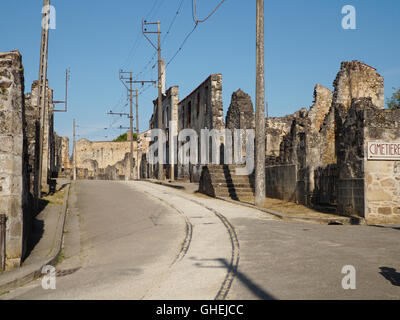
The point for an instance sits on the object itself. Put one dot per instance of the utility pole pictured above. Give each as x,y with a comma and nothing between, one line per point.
159,107
42,97
137,121
130,91
74,150
260,109
65,102
137,135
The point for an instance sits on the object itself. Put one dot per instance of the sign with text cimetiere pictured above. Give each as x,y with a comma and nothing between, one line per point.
384,151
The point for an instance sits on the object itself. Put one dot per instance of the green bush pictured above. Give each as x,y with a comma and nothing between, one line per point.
124,137
394,101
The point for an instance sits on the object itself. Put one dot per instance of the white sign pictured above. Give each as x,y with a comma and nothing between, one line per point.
384,150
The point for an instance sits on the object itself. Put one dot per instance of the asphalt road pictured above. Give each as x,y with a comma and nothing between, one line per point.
117,243
136,240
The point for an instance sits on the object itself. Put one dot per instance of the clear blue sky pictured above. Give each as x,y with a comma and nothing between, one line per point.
305,44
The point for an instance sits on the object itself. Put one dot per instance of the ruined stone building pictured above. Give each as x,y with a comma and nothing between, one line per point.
322,154
19,149
316,157
104,160
14,179
201,109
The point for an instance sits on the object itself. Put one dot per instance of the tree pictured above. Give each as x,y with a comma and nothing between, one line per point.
394,101
124,137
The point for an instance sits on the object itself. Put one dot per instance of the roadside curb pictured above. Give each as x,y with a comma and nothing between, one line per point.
331,220
19,277
166,184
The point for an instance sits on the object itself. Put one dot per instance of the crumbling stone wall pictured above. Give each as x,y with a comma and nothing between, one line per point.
14,181
275,130
326,144
49,167
240,114
65,166
357,80
32,135
96,155
369,188
169,113
298,141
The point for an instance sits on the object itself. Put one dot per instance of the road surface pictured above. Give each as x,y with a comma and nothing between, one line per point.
137,240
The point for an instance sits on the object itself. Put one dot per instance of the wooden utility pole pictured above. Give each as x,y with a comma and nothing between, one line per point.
42,100
65,102
74,151
137,121
137,135
159,104
159,109
260,110
131,127
130,116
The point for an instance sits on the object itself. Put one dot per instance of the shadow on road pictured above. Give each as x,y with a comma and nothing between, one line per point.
36,230
391,275
385,227
250,284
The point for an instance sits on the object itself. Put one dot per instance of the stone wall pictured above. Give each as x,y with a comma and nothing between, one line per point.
369,188
65,160
169,113
240,114
281,182
32,133
275,130
49,167
301,140
14,181
95,155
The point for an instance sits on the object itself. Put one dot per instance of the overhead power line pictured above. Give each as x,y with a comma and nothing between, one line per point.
209,16
152,59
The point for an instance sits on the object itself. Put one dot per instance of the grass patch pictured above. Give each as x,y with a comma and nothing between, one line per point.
56,199
3,293
61,256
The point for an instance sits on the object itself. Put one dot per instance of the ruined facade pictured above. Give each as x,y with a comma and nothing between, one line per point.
322,161
14,181
201,109
170,102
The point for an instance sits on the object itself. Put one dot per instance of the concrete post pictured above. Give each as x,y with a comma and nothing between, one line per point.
260,109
